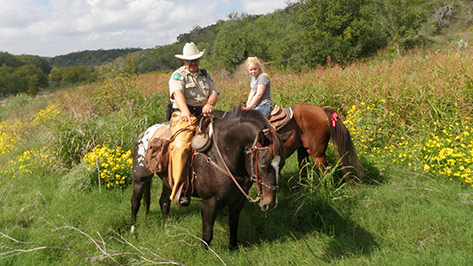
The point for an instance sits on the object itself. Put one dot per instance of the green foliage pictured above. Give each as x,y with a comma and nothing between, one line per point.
6,80
342,30
406,215
156,59
33,85
71,139
230,45
271,37
403,19
117,91
90,58
21,107
116,113
78,178
38,61
9,60
303,34
71,75
22,74
315,184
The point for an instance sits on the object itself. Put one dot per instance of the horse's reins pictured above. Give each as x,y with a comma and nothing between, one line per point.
253,150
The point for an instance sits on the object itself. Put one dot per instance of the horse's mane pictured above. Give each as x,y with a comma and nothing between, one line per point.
247,116
238,115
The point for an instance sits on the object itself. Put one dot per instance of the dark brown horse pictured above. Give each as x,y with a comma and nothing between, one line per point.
309,132
244,143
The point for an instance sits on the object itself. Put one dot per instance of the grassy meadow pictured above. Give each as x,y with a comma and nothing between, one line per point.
410,117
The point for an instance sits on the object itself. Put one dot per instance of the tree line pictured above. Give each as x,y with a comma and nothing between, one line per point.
29,73
302,35
314,32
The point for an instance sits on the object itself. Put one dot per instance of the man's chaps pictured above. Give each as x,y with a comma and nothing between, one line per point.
182,133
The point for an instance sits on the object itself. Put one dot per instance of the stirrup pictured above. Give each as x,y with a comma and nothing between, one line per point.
177,197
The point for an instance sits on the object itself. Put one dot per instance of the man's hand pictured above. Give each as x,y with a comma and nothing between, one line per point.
186,115
207,109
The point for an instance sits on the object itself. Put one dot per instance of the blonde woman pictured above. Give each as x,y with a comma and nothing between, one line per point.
259,97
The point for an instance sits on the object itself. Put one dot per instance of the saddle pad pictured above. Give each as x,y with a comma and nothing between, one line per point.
163,133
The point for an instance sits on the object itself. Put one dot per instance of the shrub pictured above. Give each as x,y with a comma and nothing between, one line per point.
112,165
316,184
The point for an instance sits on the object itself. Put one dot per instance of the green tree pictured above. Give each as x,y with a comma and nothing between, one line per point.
403,19
9,60
273,37
343,30
23,74
6,80
55,76
76,74
40,62
33,85
232,42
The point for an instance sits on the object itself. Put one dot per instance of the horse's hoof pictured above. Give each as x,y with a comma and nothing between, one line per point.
132,229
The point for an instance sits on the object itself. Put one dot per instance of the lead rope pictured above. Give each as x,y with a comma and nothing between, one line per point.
234,180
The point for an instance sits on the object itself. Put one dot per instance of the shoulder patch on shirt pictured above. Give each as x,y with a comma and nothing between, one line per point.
176,76
210,77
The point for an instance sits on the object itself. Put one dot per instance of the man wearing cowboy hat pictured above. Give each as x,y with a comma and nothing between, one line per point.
192,93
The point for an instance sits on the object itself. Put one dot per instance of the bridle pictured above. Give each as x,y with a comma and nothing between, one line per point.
253,151
254,163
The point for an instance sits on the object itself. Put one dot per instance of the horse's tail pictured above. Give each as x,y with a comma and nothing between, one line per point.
340,136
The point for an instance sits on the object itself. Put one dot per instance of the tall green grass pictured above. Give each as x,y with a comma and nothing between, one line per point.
409,210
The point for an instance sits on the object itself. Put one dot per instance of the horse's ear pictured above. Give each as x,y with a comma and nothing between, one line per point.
267,137
267,133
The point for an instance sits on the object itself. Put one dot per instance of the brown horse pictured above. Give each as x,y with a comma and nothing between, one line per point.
244,148
309,132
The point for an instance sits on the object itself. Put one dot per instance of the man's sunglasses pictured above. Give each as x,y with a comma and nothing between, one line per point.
190,61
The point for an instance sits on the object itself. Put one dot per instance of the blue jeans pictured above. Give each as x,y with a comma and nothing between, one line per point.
265,109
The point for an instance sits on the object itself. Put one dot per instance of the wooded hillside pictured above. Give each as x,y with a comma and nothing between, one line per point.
302,35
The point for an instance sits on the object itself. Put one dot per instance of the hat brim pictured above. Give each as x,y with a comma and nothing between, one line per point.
190,57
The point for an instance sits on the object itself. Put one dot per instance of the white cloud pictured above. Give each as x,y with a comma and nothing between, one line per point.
262,6
54,27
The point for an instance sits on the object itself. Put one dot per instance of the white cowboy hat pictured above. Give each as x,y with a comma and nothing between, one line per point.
190,52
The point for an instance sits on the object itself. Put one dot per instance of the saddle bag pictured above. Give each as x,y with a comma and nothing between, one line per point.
157,156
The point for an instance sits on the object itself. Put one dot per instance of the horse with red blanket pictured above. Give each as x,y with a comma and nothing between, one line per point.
308,129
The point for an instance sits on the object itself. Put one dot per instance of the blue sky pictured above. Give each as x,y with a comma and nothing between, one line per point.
56,27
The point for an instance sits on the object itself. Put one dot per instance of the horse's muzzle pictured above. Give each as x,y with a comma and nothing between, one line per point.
266,204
